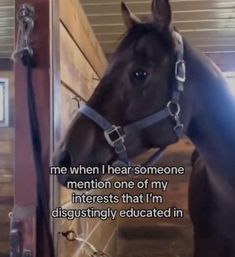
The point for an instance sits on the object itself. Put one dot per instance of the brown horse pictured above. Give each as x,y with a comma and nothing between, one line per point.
212,212
139,82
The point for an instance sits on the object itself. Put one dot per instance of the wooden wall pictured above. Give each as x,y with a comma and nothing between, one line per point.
6,169
82,63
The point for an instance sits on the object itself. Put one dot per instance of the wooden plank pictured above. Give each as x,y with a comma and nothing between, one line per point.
4,211
6,134
65,195
178,16
4,235
69,108
110,47
6,189
6,200
5,64
4,23
5,254
75,20
4,249
6,161
7,12
4,172
7,3
145,6
6,40
223,34
76,72
5,55
7,176
6,147
197,25
173,3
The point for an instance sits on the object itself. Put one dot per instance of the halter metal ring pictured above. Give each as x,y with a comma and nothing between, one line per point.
114,135
173,108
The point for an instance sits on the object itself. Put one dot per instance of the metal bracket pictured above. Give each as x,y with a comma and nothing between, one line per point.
15,238
27,253
69,235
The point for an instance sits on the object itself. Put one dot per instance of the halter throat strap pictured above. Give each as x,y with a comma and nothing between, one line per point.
115,135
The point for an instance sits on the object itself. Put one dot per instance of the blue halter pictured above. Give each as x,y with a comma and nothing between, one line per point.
115,135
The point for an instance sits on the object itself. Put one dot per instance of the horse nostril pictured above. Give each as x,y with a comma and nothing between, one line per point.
64,159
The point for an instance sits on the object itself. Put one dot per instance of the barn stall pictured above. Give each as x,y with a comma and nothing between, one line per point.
76,48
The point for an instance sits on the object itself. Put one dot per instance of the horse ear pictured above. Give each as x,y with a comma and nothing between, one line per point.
129,18
161,11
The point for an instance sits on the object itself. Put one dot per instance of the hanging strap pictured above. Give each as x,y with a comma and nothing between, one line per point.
25,17
42,198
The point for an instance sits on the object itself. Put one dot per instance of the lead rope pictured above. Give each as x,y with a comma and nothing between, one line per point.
26,23
43,208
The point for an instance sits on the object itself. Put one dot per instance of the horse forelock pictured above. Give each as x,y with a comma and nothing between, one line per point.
144,36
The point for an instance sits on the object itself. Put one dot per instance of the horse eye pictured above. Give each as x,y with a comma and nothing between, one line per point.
140,75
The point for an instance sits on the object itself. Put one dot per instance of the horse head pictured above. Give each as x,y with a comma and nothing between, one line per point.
139,82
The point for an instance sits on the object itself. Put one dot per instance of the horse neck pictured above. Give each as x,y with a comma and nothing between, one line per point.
212,126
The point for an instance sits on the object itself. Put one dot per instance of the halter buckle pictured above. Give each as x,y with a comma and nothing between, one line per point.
180,71
114,136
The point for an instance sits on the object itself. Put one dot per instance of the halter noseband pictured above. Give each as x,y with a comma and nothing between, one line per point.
115,135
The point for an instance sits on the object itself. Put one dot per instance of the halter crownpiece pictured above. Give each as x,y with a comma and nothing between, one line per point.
115,135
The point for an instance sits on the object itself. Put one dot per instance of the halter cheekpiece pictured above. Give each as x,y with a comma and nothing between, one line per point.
115,135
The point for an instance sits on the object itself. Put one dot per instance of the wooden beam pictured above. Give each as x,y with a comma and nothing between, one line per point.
75,21
25,201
